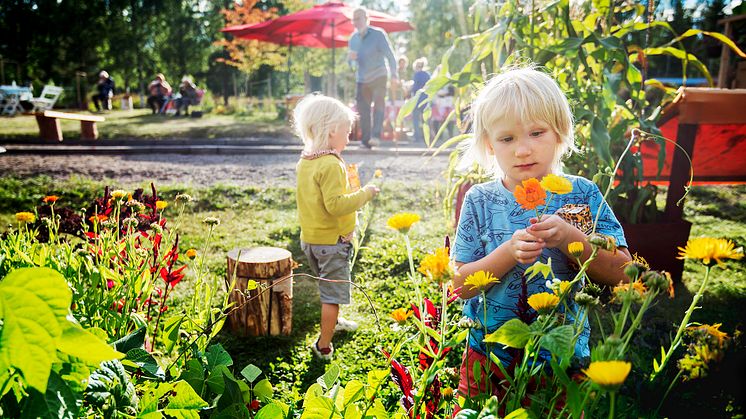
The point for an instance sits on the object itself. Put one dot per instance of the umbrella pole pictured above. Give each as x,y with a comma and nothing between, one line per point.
287,77
333,83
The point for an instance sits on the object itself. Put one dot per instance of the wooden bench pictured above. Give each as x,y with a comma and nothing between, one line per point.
49,125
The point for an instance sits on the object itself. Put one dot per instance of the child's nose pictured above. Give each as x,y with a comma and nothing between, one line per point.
523,148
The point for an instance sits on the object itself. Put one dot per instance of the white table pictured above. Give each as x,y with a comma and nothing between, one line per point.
11,98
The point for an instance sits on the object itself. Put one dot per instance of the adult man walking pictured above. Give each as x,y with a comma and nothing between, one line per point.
371,49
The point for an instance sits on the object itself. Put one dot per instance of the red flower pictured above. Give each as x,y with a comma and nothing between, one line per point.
254,405
109,284
401,376
174,277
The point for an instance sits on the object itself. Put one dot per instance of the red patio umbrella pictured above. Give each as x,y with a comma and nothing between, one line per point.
326,25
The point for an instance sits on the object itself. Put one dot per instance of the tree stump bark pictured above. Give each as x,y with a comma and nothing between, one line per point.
268,309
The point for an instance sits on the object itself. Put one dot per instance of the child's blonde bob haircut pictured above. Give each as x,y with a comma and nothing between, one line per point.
316,117
519,94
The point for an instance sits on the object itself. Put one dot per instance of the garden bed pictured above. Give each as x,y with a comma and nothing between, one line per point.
254,216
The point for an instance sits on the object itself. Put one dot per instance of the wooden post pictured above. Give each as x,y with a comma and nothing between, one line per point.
49,128
268,309
88,130
680,172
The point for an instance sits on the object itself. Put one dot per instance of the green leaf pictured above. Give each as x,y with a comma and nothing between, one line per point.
513,333
320,408
170,334
354,391
251,372
329,378
314,391
519,413
559,341
545,269
263,390
110,389
194,374
184,402
79,343
144,360
134,340
216,356
59,401
215,381
600,139
35,302
231,396
374,378
273,410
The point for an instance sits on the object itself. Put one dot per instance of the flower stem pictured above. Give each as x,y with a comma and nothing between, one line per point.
684,323
612,402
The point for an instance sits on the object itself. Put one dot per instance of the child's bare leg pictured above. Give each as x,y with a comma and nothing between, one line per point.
329,313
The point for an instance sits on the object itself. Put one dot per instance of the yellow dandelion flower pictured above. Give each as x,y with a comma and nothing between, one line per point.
118,194
191,253
400,315
25,217
403,221
161,205
561,287
708,250
378,173
609,375
556,184
480,279
575,249
437,266
543,302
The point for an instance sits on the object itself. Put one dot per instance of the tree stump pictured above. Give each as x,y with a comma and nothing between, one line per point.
268,309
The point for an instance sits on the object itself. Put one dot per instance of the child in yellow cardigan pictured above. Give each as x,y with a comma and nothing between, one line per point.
326,208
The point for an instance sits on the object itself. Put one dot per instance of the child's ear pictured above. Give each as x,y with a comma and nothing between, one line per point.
488,143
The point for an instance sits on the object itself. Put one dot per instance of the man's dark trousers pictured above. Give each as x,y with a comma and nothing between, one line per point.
375,92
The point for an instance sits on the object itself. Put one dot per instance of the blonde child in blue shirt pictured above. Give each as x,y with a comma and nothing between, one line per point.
522,125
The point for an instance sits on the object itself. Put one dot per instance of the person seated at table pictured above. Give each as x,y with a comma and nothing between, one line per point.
105,88
160,91
189,95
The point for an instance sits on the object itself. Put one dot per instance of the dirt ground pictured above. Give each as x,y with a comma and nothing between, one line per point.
199,170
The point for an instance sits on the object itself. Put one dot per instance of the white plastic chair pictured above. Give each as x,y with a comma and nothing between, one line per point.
47,99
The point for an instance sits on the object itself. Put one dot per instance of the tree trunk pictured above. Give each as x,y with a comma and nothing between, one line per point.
267,309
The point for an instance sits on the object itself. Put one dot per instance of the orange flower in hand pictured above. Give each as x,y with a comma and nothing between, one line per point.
530,195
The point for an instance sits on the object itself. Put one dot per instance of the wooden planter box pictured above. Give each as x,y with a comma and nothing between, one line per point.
658,243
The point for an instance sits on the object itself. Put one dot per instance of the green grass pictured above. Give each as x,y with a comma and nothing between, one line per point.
140,123
258,217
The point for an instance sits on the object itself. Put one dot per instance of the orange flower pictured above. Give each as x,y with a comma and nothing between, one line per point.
530,195
50,199
98,218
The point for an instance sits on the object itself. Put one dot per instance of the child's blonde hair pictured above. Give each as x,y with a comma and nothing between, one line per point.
519,94
315,117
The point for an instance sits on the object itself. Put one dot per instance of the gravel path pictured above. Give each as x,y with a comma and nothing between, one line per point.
205,170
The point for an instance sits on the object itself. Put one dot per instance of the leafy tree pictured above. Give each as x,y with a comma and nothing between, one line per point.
437,23
246,54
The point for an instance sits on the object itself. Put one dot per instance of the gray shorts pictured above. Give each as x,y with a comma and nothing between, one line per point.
331,262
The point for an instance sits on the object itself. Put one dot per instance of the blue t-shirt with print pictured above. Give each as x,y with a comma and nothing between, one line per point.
489,217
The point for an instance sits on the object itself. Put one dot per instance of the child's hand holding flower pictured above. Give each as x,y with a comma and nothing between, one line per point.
525,247
372,190
552,230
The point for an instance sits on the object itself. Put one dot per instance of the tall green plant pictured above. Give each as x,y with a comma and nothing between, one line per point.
597,51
